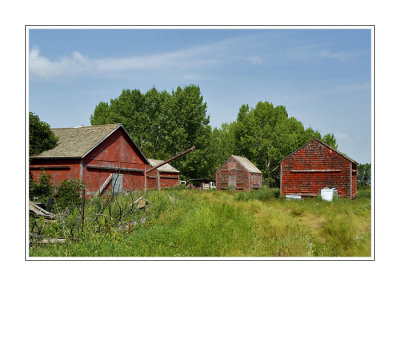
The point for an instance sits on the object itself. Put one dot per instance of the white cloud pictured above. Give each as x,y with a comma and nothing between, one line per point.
311,52
191,59
44,68
338,55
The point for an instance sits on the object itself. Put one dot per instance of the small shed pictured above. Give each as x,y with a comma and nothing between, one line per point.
103,156
317,165
165,176
238,172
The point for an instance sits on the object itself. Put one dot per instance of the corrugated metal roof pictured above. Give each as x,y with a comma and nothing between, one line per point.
247,164
164,168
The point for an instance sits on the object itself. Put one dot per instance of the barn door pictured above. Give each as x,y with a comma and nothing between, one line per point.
116,183
232,180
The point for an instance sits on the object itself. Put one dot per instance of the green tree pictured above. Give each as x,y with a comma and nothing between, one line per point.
330,140
41,137
364,175
266,134
221,147
163,124
188,125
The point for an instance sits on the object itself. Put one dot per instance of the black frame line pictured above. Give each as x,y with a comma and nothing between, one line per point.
222,259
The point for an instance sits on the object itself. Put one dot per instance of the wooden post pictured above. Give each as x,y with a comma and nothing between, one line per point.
83,209
280,181
351,186
145,179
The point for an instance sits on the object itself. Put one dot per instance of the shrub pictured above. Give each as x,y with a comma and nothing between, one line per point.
69,194
41,190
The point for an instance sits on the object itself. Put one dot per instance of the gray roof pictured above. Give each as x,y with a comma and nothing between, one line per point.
250,167
167,168
77,142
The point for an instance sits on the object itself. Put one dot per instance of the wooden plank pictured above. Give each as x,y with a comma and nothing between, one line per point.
50,167
104,185
94,166
315,170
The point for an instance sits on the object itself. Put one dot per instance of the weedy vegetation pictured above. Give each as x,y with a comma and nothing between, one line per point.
181,222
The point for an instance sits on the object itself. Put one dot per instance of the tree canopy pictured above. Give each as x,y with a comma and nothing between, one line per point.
41,138
266,134
163,124
364,175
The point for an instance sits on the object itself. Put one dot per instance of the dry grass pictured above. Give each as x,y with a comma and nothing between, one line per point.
201,223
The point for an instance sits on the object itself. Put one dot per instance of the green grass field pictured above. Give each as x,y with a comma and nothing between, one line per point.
181,222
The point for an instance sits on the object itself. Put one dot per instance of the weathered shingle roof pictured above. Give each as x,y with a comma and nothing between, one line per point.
316,139
78,141
247,164
167,168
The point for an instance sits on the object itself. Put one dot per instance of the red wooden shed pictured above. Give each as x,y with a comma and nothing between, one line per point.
239,173
317,165
165,176
101,155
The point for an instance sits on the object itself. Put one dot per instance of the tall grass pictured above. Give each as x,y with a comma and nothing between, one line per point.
200,223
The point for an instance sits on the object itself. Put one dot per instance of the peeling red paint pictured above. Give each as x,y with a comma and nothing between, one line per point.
116,152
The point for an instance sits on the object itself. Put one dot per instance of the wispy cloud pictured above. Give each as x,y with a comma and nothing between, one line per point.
312,52
195,60
42,67
184,60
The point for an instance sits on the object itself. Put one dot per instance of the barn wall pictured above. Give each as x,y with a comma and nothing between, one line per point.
152,182
255,180
115,152
232,167
167,180
70,169
334,171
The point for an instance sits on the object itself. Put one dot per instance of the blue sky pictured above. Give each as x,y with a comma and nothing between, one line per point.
321,76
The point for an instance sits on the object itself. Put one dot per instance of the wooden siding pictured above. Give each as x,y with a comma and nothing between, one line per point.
160,180
121,157
314,167
234,174
115,155
69,169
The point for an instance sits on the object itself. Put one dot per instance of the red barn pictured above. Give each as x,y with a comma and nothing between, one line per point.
239,173
317,165
101,155
165,176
